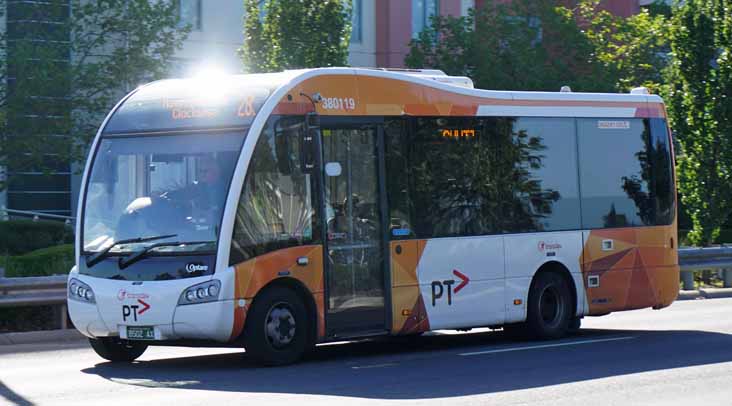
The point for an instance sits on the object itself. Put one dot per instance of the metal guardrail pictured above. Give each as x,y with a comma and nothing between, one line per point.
51,290
35,215
36,291
701,259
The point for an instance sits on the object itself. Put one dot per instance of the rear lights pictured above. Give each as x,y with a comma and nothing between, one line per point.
201,293
80,291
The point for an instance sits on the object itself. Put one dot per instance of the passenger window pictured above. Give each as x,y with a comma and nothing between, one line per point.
545,184
277,205
625,173
478,176
450,178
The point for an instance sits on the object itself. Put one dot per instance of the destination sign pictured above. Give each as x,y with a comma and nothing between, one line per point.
457,133
178,104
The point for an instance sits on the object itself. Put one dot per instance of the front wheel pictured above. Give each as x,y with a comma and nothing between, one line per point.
117,350
549,312
276,331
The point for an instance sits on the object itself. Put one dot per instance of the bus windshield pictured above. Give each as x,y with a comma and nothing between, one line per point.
158,185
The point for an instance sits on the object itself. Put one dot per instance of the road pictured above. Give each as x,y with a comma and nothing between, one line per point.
679,355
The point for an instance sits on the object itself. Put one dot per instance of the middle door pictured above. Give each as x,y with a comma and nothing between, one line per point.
355,232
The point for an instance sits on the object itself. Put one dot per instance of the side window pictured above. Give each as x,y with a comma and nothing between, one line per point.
450,181
543,175
662,165
189,13
476,176
616,173
422,11
397,179
277,206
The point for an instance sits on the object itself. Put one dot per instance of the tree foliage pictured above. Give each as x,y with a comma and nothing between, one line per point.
527,45
537,45
62,78
699,96
631,50
295,34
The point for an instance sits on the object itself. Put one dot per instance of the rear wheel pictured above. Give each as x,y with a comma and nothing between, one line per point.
575,325
117,350
276,331
549,312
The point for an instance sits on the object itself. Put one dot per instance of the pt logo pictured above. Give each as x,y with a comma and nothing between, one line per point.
439,287
134,310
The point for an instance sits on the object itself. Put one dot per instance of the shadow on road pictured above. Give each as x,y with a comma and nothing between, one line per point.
12,397
431,366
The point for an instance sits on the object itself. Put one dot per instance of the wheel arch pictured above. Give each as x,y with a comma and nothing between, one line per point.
303,293
561,270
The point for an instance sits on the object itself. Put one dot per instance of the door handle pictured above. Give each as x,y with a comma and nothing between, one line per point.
303,261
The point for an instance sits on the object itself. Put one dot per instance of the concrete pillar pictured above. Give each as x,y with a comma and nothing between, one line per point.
688,279
727,274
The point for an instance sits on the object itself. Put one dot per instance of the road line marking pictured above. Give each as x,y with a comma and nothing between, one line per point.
391,364
533,347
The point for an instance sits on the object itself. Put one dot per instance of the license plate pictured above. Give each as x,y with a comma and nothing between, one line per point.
140,333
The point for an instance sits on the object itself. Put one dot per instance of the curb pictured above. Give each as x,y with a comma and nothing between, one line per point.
689,295
41,337
705,293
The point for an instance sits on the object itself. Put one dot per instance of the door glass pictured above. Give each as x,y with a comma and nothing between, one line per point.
354,223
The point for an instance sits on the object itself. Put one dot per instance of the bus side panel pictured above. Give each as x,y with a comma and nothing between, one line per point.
462,281
632,268
447,283
526,253
408,310
252,275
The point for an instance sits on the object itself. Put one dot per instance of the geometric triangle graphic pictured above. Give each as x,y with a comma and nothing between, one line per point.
640,291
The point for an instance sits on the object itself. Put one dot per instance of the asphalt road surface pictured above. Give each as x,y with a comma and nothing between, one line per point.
681,355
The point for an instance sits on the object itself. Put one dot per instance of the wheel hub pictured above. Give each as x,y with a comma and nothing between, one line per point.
280,325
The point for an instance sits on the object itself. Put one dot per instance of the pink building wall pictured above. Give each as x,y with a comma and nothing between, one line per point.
394,25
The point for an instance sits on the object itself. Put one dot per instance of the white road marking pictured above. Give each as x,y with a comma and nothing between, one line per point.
391,364
533,347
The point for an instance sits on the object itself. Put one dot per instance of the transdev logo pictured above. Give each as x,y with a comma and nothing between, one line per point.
191,268
544,246
123,294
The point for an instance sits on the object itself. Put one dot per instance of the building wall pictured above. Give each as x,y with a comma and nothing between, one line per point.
363,53
215,45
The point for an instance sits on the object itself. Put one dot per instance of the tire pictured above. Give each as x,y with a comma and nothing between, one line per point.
574,325
549,310
117,350
276,330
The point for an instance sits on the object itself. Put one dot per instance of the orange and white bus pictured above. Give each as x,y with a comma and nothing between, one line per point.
278,211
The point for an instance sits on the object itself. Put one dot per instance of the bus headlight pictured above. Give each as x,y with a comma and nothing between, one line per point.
80,291
201,293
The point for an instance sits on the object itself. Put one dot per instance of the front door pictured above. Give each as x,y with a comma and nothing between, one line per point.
355,230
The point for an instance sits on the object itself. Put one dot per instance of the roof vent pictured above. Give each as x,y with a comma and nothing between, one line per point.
640,90
566,89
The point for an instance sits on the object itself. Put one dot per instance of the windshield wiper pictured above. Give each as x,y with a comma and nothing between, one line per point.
124,262
94,259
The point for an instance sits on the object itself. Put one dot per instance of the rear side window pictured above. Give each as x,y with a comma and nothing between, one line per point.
625,173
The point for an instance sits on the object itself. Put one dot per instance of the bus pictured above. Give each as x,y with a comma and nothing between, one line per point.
277,211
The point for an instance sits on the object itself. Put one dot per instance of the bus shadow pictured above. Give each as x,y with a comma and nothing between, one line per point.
434,366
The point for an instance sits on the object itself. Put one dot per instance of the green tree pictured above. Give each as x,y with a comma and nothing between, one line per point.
699,93
536,45
62,78
295,34
527,45
631,50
